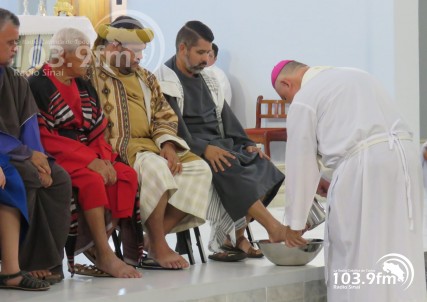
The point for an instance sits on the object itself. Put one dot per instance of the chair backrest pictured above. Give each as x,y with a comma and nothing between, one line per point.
270,109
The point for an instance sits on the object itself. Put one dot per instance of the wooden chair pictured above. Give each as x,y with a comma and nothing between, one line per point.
275,109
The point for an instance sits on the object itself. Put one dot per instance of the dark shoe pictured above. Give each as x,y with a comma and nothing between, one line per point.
150,263
228,256
28,282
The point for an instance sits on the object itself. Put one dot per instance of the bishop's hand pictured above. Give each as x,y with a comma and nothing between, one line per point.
294,238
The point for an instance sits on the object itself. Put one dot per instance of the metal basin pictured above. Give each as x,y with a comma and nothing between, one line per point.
280,254
316,216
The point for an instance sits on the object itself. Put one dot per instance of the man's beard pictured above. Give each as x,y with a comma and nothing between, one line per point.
195,69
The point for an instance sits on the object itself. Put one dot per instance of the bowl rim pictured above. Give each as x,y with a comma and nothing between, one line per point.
310,241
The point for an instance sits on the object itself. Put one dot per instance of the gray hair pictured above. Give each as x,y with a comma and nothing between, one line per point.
67,39
7,16
292,67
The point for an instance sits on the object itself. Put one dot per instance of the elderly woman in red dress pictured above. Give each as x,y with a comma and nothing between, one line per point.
72,130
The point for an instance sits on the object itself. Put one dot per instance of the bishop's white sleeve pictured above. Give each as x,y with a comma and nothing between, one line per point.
302,171
424,164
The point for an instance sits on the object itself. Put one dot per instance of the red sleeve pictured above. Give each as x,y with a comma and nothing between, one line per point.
70,154
100,146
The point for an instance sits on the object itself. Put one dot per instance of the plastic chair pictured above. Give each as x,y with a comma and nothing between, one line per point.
184,245
275,109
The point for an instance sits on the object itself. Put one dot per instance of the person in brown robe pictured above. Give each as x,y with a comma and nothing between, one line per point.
47,185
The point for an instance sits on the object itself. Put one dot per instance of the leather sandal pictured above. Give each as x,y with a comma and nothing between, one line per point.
90,254
28,282
89,270
251,253
228,256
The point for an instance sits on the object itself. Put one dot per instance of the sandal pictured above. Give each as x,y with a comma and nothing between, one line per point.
89,270
53,278
28,282
228,256
90,254
251,253
150,263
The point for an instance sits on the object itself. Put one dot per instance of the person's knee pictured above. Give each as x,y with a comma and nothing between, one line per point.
26,169
60,176
154,164
205,167
206,170
95,181
126,172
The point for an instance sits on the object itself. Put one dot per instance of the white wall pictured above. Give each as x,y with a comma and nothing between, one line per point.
423,68
407,62
254,35
380,36
11,5
16,7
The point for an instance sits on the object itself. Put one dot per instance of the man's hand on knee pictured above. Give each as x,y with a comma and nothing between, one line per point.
217,157
99,166
39,160
253,149
111,173
168,152
45,179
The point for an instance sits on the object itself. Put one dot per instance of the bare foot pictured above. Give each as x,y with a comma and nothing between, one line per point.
40,274
278,234
115,267
167,258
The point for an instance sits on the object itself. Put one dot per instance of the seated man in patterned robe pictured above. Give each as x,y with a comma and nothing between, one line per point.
72,129
174,183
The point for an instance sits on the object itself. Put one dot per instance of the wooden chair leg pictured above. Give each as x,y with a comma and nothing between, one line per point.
200,244
267,148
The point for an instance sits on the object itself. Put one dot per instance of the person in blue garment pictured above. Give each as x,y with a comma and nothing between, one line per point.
14,220
48,186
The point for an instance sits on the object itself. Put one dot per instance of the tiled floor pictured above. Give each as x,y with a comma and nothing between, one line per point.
251,280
